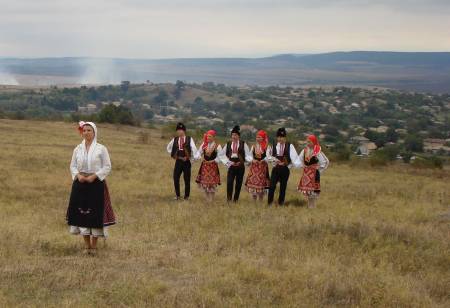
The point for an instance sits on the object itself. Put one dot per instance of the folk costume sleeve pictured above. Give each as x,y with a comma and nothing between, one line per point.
170,145
248,154
294,157
323,162
106,164
193,149
222,156
220,150
301,160
73,164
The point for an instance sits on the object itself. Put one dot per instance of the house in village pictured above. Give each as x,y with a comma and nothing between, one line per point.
435,146
364,146
365,149
88,109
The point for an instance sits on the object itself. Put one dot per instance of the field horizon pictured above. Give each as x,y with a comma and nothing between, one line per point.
379,237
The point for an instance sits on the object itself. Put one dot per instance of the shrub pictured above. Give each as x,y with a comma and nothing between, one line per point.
428,162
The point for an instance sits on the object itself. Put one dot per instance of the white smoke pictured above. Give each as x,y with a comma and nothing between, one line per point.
100,71
7,79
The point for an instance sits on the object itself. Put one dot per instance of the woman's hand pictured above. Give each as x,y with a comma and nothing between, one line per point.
91,178
81,178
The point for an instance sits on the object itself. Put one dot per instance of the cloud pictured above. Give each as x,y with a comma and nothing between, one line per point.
208,28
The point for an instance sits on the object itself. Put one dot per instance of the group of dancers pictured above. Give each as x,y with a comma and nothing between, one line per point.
90,212
236,155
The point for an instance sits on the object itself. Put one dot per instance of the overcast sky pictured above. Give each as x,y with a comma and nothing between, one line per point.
219,28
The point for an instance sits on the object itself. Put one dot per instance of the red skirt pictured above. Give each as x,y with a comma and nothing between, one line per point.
208,176
258,177
310,181
108,214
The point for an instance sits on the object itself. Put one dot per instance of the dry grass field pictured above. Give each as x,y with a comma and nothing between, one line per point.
379,237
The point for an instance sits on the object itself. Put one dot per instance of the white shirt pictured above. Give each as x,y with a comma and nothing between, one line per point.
323,161
199,153
99,163
193,147
280,151
226,161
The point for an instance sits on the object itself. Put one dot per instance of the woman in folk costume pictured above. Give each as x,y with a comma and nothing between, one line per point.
258,180
314,162
208,177
90,211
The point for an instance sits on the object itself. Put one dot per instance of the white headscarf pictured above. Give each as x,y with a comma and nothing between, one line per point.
83,145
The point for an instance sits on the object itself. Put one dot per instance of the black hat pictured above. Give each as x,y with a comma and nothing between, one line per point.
236,130
281,132
181,126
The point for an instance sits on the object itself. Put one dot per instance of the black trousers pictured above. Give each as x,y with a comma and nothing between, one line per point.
279,174
182,167
235,177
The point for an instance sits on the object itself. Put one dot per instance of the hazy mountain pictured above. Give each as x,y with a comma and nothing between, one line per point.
417,71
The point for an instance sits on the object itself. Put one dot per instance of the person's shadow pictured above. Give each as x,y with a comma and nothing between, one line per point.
297,202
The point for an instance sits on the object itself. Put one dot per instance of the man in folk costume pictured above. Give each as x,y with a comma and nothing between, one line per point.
283,157
182,149
233,156
314,162
90,212
258,180
208,177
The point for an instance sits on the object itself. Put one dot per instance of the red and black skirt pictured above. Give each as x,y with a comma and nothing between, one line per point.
208,177
258,180
90,205
310,182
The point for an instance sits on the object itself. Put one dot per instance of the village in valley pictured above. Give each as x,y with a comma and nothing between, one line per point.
349,121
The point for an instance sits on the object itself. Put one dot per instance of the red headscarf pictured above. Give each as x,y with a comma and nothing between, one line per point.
315,142
211,132
265,141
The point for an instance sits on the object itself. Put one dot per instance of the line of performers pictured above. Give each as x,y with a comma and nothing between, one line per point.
236,154
90,212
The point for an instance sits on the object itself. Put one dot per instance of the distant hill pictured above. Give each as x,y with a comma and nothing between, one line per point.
414,71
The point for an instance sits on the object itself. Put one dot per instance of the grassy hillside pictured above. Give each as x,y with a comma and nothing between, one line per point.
377,238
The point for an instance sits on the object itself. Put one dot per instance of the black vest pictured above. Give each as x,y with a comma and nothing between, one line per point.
186,152
283,156
211,157
241,152
312,161
263,155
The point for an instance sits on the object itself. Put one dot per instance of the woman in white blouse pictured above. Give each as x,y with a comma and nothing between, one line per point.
90,208
314,162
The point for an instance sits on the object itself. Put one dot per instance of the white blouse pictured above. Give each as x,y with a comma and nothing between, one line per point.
99,163
323,160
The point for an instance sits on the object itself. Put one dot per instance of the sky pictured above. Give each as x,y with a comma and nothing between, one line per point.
219,28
